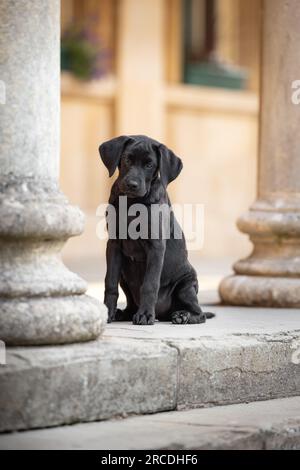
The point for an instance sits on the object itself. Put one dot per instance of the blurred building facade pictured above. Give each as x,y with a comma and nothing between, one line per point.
185,72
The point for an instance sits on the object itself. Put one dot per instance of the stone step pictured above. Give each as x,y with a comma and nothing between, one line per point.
273,424
242,355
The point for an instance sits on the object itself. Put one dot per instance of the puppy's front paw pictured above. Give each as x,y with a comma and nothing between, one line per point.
182,317
111,315
123,315
144,317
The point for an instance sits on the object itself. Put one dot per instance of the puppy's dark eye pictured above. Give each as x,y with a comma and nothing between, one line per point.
149,165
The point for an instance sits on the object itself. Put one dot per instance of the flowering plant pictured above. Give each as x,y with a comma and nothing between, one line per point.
82,53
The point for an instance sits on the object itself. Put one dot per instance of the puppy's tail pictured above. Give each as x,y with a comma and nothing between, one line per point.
209,315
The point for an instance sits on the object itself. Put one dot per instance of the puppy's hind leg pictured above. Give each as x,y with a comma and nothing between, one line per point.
130,309
188,310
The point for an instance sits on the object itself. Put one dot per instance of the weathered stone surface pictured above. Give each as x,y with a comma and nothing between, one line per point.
270,276
41,301
236,369
279,292
285,436
273,424
48,386
241,321
241,355
51,320
34,207
29,66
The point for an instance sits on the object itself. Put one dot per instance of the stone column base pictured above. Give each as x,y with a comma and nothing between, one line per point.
261,291
53,320
41,301
270,276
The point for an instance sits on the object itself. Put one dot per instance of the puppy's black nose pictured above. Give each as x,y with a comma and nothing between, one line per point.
132,184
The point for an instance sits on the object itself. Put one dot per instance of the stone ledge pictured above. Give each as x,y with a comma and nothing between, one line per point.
242,355
236,370
48,386
273,424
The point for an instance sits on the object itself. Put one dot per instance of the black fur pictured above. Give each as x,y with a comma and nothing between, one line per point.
155,274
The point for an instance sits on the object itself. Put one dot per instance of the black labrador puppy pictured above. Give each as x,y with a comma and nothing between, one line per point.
154,273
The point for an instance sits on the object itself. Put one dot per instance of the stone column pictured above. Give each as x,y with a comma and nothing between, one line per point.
41,302
270,276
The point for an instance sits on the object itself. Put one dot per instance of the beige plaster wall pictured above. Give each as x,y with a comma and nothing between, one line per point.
218,146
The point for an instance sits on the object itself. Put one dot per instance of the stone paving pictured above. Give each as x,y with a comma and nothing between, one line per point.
274,424
242,355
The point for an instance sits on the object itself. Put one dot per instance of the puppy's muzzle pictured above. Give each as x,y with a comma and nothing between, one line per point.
132,185
132,188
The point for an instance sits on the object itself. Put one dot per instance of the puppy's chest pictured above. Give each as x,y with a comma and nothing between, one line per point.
134,249
133,222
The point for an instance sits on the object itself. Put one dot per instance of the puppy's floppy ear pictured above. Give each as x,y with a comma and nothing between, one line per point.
169,165
111,151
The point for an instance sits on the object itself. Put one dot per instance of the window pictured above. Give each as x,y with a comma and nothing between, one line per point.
202,62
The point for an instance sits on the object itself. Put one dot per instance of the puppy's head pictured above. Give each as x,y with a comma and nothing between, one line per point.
141,161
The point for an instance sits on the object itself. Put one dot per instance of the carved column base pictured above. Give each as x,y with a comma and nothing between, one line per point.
41,301
270,276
